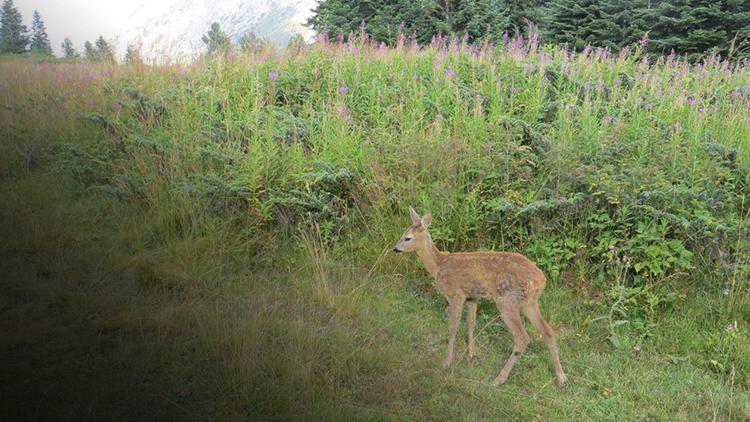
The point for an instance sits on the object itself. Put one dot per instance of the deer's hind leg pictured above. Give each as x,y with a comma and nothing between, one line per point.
511,315
532,312
471,318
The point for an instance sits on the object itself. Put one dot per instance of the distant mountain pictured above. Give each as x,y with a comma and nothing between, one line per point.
173,32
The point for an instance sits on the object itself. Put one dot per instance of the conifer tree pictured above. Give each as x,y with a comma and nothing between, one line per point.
296,44
104,52
696,27
39,39
476,17
89,52
571,23
384,19
132,55
68,51
215,39
13,33
524,13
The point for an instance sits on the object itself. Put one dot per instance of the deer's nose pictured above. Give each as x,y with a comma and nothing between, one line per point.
397,250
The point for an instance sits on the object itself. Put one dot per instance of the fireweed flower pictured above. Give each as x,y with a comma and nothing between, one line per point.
516,47
450,74
644,41
437,60
343,112
534,42
343,90
273,75
612,248
730,327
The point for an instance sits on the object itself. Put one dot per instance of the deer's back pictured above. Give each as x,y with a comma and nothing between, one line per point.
509,275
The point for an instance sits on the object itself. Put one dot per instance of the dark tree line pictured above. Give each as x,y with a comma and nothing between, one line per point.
15,37
691,27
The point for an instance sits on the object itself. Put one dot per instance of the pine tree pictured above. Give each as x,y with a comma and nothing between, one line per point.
385,18
475,17
738,31
296,44
68,50
522,14
104,52
571,22
429,19
132,55
13,38
89,52
617,24
697,27
39,39
216,40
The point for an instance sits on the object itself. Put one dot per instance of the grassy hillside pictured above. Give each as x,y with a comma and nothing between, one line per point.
212,241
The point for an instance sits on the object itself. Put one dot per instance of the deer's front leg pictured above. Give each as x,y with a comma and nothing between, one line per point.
456,306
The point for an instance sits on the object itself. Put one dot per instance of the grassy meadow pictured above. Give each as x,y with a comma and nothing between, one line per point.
212,241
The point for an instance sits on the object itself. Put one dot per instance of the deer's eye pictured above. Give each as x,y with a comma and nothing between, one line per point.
407,239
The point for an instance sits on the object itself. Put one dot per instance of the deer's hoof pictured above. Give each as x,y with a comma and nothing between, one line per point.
562,380
500,380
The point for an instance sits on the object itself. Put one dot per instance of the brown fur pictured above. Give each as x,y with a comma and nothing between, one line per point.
510,279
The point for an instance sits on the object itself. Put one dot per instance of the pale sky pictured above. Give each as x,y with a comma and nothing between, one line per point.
82,20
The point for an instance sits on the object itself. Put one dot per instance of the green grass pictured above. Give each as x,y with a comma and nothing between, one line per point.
208,243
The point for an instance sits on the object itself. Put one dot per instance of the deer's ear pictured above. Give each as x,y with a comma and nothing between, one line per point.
426,220
415,218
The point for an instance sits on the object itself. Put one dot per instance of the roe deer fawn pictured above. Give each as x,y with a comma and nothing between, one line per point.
510,279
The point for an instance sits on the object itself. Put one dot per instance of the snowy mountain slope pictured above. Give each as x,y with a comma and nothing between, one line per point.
172,32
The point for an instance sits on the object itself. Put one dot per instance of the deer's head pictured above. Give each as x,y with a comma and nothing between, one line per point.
416,236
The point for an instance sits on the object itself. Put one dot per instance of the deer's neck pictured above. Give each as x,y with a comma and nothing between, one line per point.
430,256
